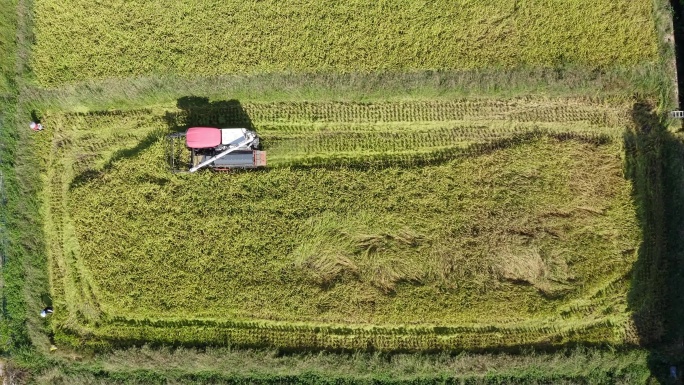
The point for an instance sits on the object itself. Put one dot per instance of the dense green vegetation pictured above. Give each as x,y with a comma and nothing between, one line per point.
7,46
149,366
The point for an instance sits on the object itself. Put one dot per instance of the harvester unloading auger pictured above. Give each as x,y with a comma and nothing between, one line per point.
217,148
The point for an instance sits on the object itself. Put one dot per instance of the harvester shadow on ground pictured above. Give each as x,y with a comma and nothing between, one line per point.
654,162
194,111
199,111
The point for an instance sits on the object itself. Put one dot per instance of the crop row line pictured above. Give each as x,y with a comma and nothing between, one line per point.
257,115
603,330
409,111
542,328
413,158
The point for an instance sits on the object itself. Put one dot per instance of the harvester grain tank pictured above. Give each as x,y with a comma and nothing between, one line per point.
219,149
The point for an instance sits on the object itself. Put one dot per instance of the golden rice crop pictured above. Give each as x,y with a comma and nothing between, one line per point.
503,246
82,39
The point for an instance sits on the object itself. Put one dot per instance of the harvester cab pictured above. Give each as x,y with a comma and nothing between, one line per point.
220,149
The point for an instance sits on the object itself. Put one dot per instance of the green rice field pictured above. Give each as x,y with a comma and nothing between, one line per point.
456,192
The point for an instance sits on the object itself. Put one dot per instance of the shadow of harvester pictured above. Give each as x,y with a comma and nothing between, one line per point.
199,111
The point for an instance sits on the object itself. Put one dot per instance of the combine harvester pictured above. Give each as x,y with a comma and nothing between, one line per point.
220,149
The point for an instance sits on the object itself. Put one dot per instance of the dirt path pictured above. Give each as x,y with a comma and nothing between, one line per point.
2,372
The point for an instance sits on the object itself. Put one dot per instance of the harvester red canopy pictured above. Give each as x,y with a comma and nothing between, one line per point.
203,137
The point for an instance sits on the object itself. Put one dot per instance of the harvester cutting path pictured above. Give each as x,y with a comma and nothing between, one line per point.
220,149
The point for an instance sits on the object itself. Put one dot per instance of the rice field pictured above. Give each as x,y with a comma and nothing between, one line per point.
80,39
443,177
404,226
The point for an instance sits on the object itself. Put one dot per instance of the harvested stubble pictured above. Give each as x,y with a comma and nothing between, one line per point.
505,245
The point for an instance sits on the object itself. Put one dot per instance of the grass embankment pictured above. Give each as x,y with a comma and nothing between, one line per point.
8,15
7,179
218,366
500,212
21,228
80,40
